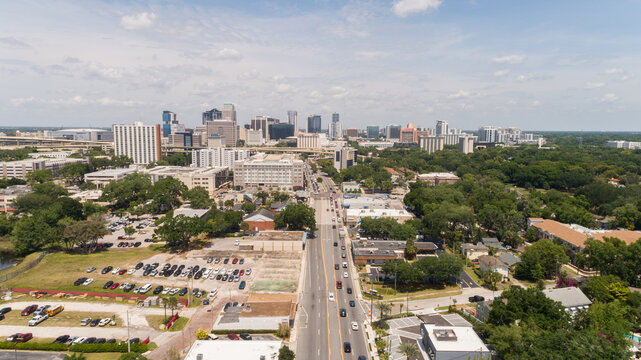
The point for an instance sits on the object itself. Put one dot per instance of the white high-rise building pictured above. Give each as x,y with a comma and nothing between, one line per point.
432,143
335,127
141,143
466,144
488,134
442,128
308,141
283,171
218,157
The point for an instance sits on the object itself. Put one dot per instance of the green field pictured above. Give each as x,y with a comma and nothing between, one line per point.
155,321
288,286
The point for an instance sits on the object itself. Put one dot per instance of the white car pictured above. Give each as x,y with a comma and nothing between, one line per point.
230,271
174,291
122,286
223,271
236,278
144,289
87,282
216,271
115,271
80,340
166,291
345,274
354,325
213,292
236,243
331,296
104,322
38,319
131,271
249,271
207,272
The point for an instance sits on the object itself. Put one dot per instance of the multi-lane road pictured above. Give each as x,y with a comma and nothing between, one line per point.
322,331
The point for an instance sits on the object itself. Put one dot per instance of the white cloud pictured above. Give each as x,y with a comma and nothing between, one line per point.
338,92
524,77
75,100
614,71
248,75
227,54
594,85
461,94
509,59
609,98
140,21
536,103
13,42
501,72
402,8
284,87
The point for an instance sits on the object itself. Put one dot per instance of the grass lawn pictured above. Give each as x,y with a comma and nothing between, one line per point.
22,263
65,318
473,274
101,356
424,292
155,321
432,296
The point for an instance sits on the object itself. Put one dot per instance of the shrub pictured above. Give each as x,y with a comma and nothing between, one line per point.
33,346
283,331
96,348
225,332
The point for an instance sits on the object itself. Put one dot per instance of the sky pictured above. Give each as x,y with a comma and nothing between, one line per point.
537,65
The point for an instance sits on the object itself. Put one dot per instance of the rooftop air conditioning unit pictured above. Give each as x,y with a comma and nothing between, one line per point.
199,357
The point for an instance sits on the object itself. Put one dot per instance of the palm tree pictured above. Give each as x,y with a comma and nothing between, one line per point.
383,307
409,350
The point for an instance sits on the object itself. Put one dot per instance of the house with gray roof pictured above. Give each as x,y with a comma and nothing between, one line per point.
572,298
509,259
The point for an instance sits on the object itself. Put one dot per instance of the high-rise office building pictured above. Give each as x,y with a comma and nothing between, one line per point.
280,131
141,143
263,123
168,118
393,132
466,144
335,127
229,112
488,134
292,118
313,123
226,128
442,128
373,131
351,132
211,115
344,157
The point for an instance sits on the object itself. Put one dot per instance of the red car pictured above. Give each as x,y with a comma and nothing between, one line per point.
234,261
28,310
242,272
121,237
23,337
122,272
233,337
114,286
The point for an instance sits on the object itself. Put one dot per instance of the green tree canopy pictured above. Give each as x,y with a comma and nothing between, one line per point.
296,216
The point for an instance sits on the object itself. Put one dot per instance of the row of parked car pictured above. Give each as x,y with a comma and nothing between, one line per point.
39,314
128,243
97,322
73,340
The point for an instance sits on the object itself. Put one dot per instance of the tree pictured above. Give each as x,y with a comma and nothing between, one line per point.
529,306
172,354
172,303
248,207
75,356
129,230
177,231
229,204
218,222
383,308
606,288
409,350
244,226
31,234
75,172
490,279
297,216
132,356
285,353
262,195
198,198
410,249
133,188
165,195
39,176
202,334
541,260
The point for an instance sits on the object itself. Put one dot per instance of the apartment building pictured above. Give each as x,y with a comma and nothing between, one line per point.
283,171
218,157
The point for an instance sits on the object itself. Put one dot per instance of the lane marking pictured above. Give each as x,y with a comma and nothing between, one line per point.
329,343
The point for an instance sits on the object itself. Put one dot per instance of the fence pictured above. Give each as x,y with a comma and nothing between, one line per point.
30,265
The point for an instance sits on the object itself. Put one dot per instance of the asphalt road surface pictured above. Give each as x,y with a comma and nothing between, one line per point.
324,331
466,281
29,355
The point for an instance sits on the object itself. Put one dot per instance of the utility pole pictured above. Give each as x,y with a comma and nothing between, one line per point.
128,335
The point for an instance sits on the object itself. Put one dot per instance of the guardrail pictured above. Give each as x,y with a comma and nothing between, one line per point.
30,265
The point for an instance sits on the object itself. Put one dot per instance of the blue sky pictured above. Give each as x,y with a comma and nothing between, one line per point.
538,65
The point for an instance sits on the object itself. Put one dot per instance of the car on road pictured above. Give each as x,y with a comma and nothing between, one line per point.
352,303
38,319
90,269
343,255
331,296
347,347
354,325
233,337
343,312
339,284
362,357
28,310
345,274
476,298
336,267
335,244
245,336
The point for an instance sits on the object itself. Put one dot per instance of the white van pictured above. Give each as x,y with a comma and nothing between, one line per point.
344,265
145,289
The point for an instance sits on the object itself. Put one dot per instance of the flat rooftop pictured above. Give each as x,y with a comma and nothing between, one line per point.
237,350
454,338
279,236
112,172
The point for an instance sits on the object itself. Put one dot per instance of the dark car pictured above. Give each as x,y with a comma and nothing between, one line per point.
196,268
61,339
107,284
134,341
227,306
195,291
226,261
342,247
343,312
219,276
183,292
129,287
242,285
106,269
167,266
155,265
210,259
236,271
5,310
158,289
336,267
241,261
147,266
100,341
217,260
198,275
233,337
347,347
111,341
90,340
94,322
349,290
28,310
245,336
137,243
476,298
147,272
362,357
80,281
225,277
335,244
352,303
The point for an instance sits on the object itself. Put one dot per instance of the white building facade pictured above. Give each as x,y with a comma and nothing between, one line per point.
141,143
218,157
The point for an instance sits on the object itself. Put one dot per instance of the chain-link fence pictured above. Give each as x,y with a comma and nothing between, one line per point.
30,265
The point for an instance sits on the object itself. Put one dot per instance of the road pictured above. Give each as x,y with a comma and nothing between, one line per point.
30,355
322,330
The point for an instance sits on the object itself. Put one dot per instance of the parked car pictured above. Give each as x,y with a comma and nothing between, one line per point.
90,269
210,259
234,261
114,286
94,322
106,270
476,298
115,271
85,321
13,337
61,339
248,272
158,289
4,310
107,284
139,265
87,282
233,337
183,292
41,310
29,310
217,260
79,281
242,285
241,261
245,336
38,319
122,271
23,337
104,322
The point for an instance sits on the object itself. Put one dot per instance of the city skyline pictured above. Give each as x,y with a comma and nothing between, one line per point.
538,66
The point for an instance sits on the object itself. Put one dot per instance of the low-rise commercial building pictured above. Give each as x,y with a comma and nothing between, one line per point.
281,171
20,168
353,217
209,178
436,178
453,342
104,177
9,195
576,235
376,252
351,186
51,154
237,350
260,220
281,241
